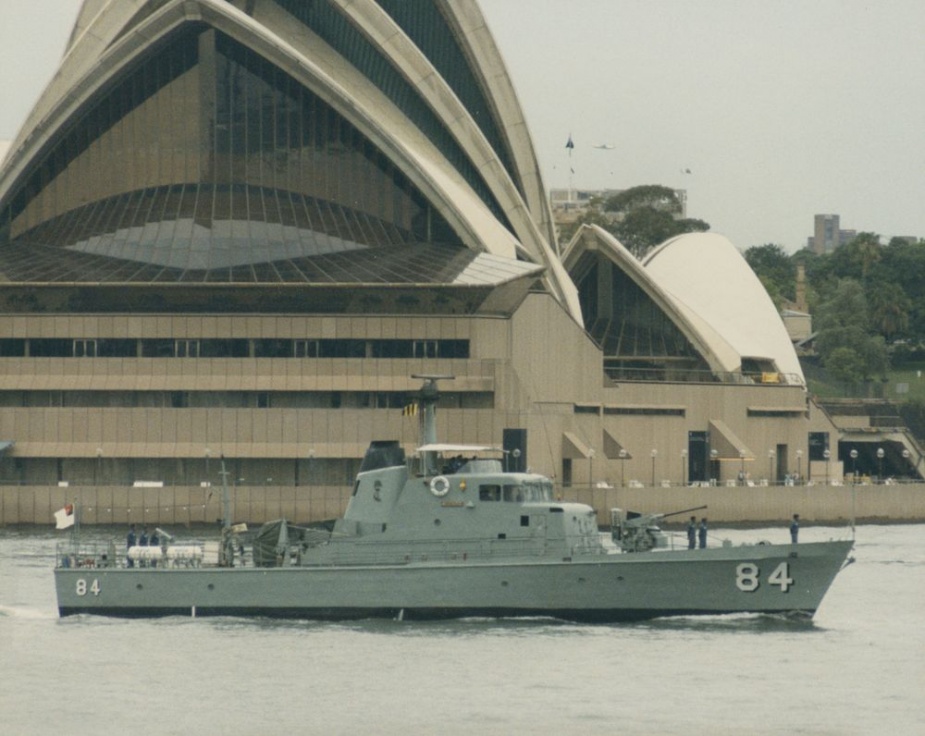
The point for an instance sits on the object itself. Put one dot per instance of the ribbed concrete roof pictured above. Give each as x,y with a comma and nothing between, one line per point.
708,278
112,34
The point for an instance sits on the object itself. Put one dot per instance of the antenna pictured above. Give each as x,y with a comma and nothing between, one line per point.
427,403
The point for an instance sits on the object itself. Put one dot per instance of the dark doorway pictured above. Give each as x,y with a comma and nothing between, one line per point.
698,453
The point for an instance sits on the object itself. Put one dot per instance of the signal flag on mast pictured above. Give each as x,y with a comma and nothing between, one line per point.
64,517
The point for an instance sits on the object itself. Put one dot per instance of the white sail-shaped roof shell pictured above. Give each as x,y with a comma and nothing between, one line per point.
110,34
708,279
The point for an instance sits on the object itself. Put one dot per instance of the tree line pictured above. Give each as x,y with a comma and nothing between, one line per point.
640,218
867,301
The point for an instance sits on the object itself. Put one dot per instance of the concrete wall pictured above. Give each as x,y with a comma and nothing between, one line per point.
183,505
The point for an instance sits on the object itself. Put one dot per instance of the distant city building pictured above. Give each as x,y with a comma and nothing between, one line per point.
828,235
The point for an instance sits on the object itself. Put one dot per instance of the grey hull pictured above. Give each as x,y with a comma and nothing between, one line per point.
599,588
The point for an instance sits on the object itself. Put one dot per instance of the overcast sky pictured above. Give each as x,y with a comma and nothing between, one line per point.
781,110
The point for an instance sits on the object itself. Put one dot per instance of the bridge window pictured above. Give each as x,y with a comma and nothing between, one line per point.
513,494
490,493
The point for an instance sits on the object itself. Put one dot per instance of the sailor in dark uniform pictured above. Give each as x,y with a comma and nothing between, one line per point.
692,533
702,533
795,528
154,541
129,543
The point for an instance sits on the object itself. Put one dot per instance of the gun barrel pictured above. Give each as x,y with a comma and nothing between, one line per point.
684,511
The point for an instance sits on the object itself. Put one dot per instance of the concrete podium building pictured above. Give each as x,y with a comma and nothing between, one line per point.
237,228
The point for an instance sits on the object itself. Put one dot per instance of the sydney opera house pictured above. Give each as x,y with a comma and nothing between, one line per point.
237,228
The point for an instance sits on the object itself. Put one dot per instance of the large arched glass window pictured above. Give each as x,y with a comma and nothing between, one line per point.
207,156
638,339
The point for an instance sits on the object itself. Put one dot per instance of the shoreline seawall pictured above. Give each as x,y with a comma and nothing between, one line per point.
193,505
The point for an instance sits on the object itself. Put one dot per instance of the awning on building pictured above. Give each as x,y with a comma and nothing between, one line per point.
613,449
726,444
573,448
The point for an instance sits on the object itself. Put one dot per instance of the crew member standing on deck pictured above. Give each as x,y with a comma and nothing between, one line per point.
154,541
692,533
129,543
795,528
702,533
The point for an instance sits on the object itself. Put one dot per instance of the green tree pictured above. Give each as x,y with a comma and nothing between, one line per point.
841,318
889,308
867,251
644,228
856,258
654,196
845,365
649,217
591,216
775,269
902,264
843,339
891,277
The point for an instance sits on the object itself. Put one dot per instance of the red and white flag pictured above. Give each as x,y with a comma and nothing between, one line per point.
65,517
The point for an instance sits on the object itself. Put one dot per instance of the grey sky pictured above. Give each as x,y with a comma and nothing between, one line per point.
781,110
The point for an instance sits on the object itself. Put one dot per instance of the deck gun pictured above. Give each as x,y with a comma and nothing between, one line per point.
640,532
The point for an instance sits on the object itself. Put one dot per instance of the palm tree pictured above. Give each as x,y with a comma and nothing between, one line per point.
889,308
867,251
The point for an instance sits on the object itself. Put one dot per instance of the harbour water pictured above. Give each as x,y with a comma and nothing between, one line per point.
857,668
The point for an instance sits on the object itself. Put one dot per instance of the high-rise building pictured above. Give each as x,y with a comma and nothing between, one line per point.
828,235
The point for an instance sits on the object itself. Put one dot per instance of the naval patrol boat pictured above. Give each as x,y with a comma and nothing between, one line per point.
447,533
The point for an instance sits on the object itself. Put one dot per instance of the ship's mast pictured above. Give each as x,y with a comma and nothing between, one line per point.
226,554
427,405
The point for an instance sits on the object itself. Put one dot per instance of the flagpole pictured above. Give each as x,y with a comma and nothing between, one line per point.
75,531
569,146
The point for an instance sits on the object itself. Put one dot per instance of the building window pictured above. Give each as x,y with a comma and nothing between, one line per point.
425,349
186,348
818,444
646,411
51,348
307,349
84,348
12,348
273,349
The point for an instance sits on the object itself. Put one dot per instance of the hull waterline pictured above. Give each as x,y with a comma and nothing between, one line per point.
786,579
